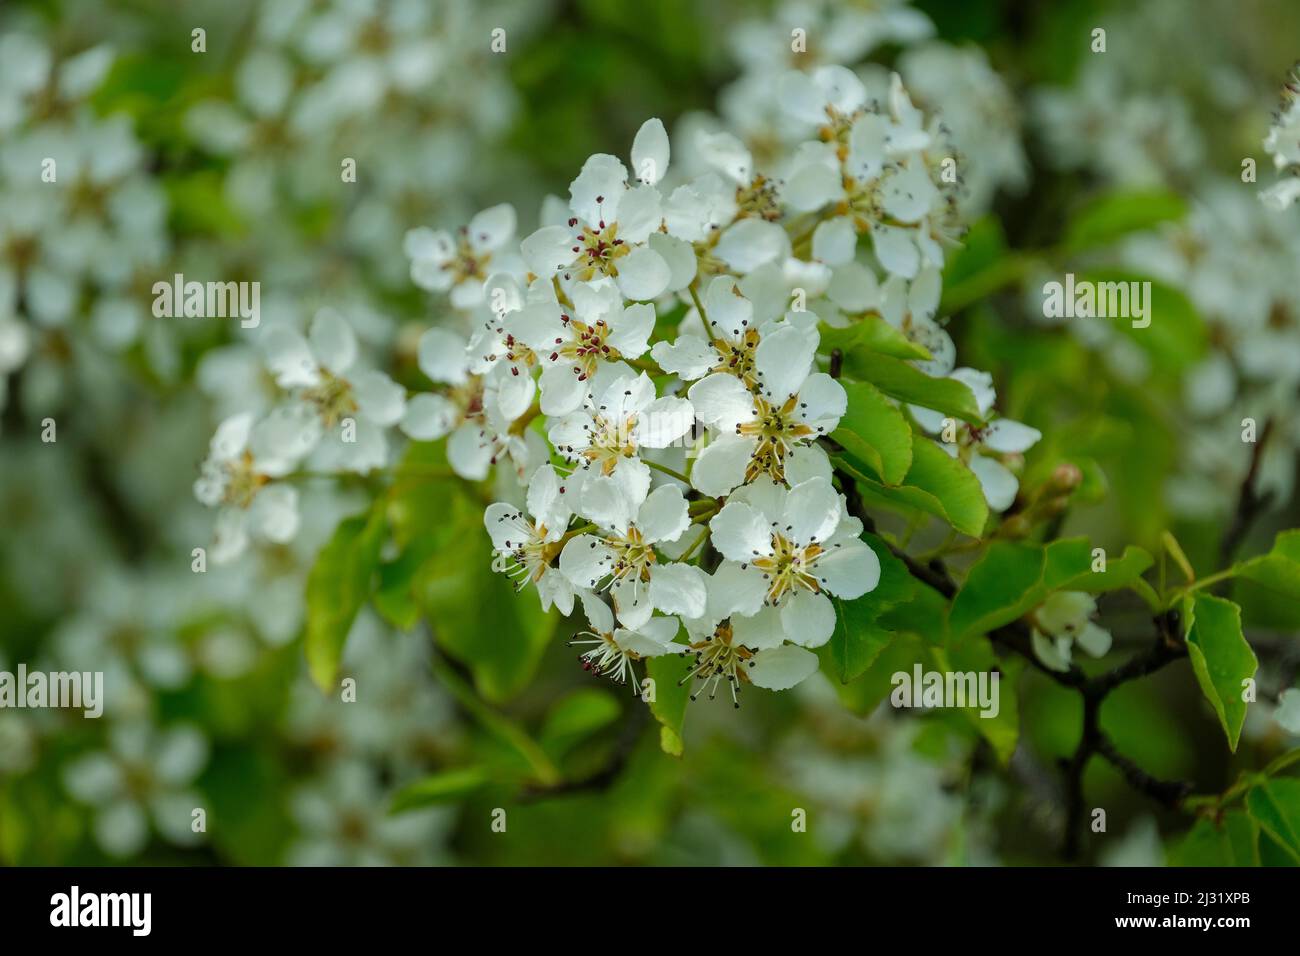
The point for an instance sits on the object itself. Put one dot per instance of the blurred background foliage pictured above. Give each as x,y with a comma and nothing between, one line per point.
468,699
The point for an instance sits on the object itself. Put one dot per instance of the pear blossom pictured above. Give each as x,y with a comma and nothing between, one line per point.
614,650
1063,620
611,222
981,447
460,264
620,555
238,477
478,412
525,548
625,418
353,406
728,343
793,547
1283,144
768,431
731,645
145,773
573,345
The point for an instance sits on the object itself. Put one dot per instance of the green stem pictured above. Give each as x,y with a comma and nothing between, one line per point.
699,306
670,472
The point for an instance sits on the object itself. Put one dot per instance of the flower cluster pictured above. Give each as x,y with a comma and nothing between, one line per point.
644,379
1283,144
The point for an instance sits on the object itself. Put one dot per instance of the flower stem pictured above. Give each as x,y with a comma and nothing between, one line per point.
670,472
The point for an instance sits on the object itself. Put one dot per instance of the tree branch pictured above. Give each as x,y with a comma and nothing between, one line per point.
1249,503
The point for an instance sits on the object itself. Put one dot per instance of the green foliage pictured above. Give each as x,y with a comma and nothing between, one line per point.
1221,658
337,588
1012,579
859,638
935,484
1268,586
1232,841
444,787
903,381
672,694
1275,805
1113,216
875,431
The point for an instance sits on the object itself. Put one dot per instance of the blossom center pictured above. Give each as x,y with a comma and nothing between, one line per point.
587,347
789,568
333,398
243,481
610,440
597,249
777,430
719,658
758,199
632,557
605,657
737,358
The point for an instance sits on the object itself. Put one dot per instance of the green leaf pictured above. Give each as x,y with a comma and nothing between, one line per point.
1269,585
1114,215
338,585
1233,842
875,431
975,655
935,484
1120,572
900,380
439,788
671,698
1220,657
575,718
479,619
873,334
395,597
1005,584
1012,579
1275,805
858,639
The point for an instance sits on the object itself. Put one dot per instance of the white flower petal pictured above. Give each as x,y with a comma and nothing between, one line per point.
380,399
548,250
850,570
663,516
783,360
811,513
780,668
596,193
333,341
999,484
721,466
808,618
735,590
650,152
679,589
739,533
428,417
643,274
492,228
759,631
585,560
443,357
1007,436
